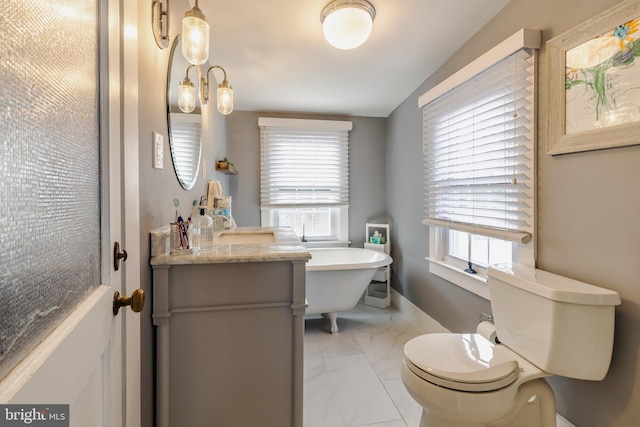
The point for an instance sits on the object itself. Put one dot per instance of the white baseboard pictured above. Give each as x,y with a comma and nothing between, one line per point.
562,422
429,325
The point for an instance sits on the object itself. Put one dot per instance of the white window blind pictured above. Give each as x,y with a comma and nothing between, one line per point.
304,163
479,150
186,133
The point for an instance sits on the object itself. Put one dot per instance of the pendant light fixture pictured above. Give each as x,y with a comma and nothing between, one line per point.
195,36
346,24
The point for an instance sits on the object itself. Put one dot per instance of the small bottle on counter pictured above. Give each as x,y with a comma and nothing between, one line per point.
202,231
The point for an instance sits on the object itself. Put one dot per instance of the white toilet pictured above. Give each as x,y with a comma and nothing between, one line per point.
546,324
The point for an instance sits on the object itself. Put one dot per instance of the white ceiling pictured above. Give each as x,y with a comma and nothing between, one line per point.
277,59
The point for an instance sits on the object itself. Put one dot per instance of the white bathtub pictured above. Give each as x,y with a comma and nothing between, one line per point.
337,277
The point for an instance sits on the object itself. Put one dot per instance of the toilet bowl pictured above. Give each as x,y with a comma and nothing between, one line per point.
467,380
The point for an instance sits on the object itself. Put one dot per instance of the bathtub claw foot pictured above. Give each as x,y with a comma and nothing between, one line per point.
333,316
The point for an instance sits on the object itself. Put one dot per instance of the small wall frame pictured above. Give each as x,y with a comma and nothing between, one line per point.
594,82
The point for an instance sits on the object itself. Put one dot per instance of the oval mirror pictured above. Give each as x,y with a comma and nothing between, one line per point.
185,129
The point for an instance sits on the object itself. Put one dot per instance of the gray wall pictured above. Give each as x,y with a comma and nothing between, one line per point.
588,204
158,187
588,220
366,168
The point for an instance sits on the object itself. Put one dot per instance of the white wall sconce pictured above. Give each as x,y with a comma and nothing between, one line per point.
224,93
160,22
347,24
187,94
195,36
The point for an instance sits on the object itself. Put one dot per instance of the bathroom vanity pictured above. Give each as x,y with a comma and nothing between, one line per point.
229,331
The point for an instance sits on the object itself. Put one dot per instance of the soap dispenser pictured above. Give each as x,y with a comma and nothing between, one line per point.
202,229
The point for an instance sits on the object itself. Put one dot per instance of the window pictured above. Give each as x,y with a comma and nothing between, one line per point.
480,251
479,170
304,176
186,136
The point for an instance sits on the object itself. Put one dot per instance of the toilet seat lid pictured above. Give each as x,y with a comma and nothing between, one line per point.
465,362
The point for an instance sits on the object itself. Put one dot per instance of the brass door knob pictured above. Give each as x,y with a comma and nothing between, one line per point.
136,301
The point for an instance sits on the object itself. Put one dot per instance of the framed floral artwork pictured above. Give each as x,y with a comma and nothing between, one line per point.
594,82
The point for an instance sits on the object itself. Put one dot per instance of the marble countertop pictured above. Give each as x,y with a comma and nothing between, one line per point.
287,247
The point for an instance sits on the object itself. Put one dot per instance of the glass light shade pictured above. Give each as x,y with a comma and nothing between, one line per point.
186,96
195,39
347,28
225,99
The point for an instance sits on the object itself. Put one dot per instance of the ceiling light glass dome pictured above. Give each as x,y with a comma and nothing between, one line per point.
347,24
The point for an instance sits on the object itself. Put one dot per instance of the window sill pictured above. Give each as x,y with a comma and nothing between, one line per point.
474,283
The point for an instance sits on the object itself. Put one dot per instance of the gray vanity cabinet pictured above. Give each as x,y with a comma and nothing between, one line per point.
229,342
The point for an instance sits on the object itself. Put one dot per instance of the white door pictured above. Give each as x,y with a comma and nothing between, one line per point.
92,360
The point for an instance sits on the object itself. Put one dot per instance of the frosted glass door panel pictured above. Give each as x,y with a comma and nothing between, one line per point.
49,168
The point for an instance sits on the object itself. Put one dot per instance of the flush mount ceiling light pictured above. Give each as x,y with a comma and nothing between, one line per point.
195,36
346,24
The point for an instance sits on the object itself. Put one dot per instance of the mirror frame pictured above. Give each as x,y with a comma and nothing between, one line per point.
176,69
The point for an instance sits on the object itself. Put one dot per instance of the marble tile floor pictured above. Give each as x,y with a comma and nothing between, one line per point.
353,378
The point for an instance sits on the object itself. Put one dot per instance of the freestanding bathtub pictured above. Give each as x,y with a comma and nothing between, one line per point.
337,277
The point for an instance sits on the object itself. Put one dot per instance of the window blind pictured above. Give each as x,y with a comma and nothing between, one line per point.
479,150
304,165
185,129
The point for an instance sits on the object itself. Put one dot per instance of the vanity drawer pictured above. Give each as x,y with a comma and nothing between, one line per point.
229,284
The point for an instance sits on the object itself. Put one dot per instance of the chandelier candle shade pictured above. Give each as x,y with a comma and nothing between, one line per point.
195,36
347,24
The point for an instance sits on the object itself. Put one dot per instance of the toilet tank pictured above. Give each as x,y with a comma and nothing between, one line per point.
563,326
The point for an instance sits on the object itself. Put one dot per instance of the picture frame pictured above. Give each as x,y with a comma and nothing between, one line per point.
570,128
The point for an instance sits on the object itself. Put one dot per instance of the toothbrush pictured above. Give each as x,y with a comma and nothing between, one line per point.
184,238
195,202
183,232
